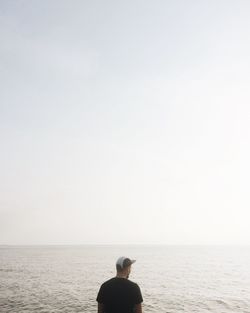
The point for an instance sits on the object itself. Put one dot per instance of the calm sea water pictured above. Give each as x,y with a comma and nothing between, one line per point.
172,278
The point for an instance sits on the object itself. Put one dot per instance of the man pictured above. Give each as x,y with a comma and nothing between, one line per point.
119,294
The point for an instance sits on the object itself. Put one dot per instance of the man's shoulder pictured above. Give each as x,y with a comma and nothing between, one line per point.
132,283
116,281
109,281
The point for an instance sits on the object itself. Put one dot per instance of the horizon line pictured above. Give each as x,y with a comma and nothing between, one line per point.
125,244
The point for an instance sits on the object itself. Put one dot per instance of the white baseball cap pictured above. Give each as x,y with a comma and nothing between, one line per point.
123,262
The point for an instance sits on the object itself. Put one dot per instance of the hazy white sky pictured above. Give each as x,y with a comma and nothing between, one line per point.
124,122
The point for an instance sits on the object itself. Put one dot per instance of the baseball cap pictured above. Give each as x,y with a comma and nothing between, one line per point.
123,262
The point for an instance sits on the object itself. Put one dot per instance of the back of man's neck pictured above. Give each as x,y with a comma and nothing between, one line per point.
121,276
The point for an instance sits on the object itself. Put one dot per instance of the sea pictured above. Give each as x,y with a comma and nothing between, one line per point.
172,279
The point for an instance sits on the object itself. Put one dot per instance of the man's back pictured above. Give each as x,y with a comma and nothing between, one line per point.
119,295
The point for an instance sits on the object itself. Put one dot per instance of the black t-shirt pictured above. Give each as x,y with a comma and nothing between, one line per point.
119,295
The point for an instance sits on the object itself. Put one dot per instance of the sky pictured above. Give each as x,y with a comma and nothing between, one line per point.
124,122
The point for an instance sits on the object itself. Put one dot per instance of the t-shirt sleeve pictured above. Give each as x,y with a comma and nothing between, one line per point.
100,295
137,295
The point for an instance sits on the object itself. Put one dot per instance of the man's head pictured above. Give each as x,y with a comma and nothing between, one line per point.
123,266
